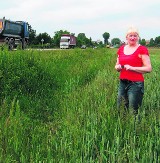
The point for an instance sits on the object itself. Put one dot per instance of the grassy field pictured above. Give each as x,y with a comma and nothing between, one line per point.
60,107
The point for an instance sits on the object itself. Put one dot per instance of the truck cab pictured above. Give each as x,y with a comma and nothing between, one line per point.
67,41
64,42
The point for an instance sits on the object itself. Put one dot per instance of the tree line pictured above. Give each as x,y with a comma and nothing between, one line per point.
45,40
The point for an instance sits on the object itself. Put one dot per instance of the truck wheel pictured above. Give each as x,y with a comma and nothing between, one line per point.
11,44
6,40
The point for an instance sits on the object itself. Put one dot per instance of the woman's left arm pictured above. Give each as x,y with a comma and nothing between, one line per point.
146,68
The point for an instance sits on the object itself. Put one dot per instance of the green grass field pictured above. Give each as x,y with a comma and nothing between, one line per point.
60,107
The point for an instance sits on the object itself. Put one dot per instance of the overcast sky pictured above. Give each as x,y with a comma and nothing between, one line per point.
92,17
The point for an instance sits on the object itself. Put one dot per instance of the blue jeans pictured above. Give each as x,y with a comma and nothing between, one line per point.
130,94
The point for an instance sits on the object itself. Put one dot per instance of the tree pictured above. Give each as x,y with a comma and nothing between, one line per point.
83,40
43,36
101,44
115,41
32,35
90,42
151,42
157,40
57,37
106,36
143,42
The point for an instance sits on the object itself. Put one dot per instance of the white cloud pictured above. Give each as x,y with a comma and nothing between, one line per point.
89,16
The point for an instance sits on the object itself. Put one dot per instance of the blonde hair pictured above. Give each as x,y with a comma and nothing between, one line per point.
132,30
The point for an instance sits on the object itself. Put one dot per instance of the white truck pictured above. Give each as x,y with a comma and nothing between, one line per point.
67,41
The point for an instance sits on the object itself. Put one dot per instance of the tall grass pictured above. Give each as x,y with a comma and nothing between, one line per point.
60,106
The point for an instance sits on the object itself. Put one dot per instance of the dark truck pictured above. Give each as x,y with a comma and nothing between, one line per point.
14,33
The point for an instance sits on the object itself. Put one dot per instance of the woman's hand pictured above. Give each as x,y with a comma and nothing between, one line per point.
118,67
128,67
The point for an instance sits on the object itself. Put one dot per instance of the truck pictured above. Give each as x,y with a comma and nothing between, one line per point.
67,41
14,33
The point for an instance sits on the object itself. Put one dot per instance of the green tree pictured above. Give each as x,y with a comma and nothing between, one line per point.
143,42
157,40
101,44
45,37
115,41
90,42
32,35
151,42
106,36
83,40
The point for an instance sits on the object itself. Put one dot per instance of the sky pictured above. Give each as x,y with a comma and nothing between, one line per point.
92,17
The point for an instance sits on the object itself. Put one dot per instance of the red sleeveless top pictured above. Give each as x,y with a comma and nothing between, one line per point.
132,60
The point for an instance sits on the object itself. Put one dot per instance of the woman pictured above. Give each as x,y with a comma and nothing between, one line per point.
132,62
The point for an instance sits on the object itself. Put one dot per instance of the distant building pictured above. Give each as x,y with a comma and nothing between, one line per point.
97,42
147,42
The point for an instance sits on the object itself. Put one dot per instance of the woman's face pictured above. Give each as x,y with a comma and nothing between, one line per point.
132,38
